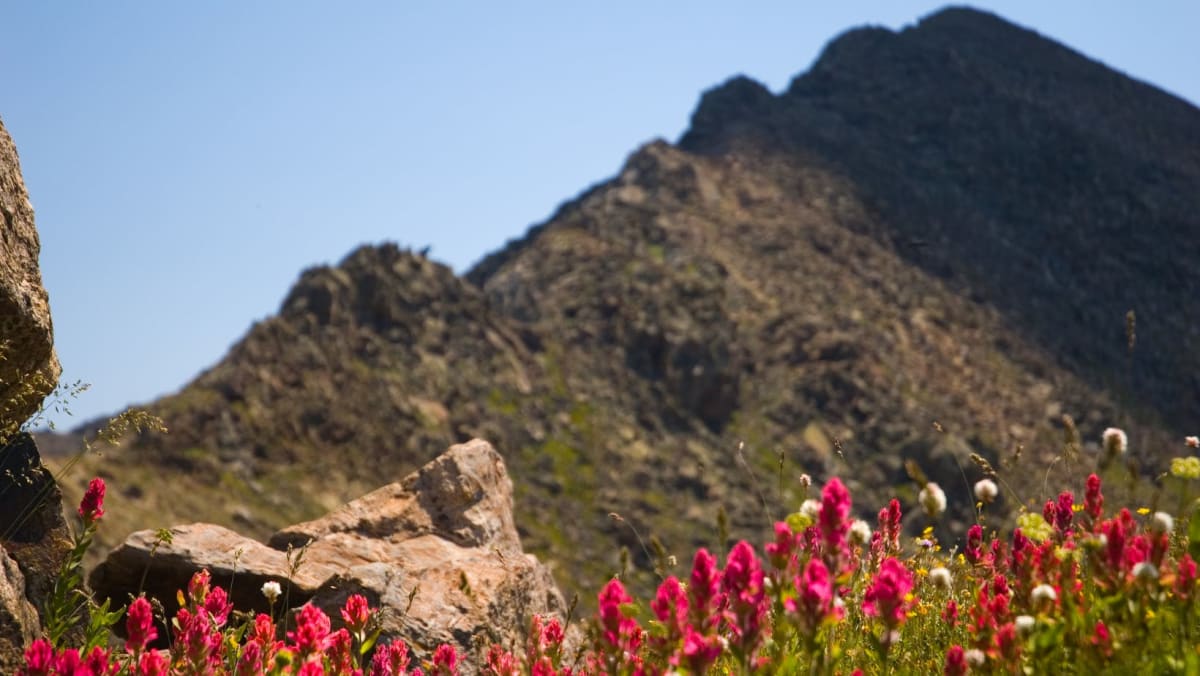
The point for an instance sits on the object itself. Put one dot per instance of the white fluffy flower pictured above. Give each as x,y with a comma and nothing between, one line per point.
811,508
271,590
1162,522
975,657
860,533
1115,441
941,577
1145,571
986,491
1043,593
933,499
1025,624
1192,442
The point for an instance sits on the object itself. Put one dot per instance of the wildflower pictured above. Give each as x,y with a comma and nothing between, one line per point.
885,597
806,480
1043,593
621,632
311,669
312,630
671,605
445,661
356,613
139,625
941,578
217,605
950,614
1192,442
271,590
91,507
1007,643
1102,639
198,586
747,602
1185,577
704,588
69,662
501,662
835,510
814,601
1162,523
1025,624
1186,468
1093,500
956,661
1145,570
974,548
391,659
39,658
780,551
1115,443
933,499
152,663
860,533
699,650
986,490
1059,514
810,508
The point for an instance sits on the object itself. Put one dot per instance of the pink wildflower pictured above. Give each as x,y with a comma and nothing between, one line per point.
356,613
390,659
501,662
39,658
974,548
704,589
91,507
152,663
218,606
671,606
885,597
621,631
311,669
312,630
1102,639
814,600
834,517
1185,577
198,586
747,601
1093,499
950,614
445,661
956,661
700,651
139,625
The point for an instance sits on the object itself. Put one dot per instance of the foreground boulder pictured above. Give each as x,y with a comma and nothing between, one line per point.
437,552
28,366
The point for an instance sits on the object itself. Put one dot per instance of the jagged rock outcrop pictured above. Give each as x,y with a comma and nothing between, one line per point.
29,368
19,622
438,552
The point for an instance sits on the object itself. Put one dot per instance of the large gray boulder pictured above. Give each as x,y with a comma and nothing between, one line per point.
437,552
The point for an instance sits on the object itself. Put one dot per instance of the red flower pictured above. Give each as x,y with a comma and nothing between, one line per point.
218,606
1102,640
356,613
445,661
152,663
39,658
885,597
956,661
312,630
1093,499
620,631
390,659
705,589
974,548
950,614
97,663
91,507
671,606
139,625
501,662
747,601
1185,577
700,651
814,601
834,518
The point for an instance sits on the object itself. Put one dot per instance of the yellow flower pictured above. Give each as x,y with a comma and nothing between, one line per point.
1143,510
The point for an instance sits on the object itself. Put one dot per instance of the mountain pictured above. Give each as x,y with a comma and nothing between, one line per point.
926,247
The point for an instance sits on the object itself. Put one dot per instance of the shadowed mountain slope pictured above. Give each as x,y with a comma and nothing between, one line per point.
943,224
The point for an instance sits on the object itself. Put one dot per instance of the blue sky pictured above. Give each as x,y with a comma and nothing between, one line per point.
188,159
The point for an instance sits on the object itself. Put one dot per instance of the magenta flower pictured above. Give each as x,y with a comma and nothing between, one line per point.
747,601
218,605
1093,499
699,650
445,661
312,629
39,658
620,630
91,507
670,606
152,663
834,518
956,661
974,548
814,597
391,659
68,662
885,597
705,589
356,613
198,586
139,625
500,662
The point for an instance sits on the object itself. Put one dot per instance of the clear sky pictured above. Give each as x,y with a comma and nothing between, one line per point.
188,159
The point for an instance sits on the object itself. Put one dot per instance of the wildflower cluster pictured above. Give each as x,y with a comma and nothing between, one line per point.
1078,586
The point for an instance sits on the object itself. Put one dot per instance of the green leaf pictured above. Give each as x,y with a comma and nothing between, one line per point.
1194,533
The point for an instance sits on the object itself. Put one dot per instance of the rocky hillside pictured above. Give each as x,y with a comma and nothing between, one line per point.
942,225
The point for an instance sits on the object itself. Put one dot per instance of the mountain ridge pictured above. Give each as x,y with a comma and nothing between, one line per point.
787,289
